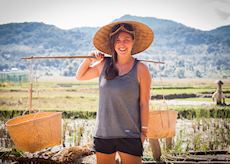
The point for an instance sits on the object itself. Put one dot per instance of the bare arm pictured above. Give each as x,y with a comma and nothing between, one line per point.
86,71
144,78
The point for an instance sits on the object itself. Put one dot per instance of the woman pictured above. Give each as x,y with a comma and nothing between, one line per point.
124,90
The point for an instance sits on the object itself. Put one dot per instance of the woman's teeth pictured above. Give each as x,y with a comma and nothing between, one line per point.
122,49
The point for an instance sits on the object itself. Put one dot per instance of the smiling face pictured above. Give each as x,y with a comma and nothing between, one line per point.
124,43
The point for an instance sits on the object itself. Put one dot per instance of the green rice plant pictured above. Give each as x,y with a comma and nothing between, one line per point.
204,147
196,141
75,135
64,129
177,148
79,132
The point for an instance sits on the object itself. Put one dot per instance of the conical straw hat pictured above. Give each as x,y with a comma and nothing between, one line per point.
143,37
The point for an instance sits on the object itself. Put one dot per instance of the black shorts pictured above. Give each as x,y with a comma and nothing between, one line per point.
131,146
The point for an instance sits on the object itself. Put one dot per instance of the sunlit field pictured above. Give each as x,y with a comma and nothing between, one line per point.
70,94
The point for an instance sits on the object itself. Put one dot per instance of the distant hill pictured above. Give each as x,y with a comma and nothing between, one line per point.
188,52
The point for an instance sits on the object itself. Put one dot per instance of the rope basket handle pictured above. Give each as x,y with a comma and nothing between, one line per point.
163,98
162,88
30,93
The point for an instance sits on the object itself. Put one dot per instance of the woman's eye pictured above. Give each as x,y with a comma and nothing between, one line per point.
124,41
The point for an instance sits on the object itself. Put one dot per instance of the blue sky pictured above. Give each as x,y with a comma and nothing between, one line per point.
67,14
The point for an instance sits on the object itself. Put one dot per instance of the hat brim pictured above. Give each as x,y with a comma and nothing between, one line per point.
143,37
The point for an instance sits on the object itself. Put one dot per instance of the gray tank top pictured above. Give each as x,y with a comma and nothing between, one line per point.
118,115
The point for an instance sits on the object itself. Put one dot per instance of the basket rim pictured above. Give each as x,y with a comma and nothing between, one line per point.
27,121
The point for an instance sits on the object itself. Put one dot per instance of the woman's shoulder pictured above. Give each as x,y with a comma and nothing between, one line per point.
142,67
142,70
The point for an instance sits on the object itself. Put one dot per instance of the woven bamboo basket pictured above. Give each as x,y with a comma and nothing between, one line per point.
34,132
162,124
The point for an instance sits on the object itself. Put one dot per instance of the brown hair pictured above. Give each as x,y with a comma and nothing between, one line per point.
111,71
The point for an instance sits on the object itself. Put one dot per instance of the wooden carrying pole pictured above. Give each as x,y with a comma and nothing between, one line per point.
63,57
76,57
30,89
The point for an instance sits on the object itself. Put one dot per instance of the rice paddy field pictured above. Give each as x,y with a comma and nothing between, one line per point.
201,125
73,95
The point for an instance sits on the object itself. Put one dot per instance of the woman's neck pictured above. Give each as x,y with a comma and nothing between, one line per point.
124,59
